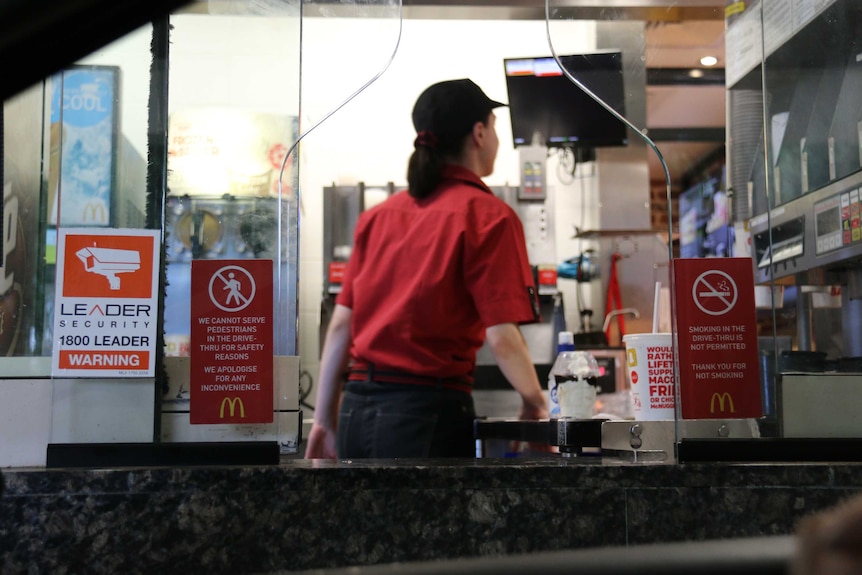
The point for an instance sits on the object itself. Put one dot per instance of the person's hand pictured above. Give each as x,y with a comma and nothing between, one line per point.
533,411
830,542
531,447
321,443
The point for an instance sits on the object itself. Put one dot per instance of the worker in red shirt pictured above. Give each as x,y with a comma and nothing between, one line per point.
435,271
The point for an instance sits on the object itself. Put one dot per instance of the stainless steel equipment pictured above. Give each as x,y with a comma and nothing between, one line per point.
573,437
341,208
799,173
812,405
623,440
812,232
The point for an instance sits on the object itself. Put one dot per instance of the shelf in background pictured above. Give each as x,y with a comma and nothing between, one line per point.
616,233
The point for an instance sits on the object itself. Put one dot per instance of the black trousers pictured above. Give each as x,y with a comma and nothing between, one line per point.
388,420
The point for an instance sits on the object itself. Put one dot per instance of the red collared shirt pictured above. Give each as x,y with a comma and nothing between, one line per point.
426,277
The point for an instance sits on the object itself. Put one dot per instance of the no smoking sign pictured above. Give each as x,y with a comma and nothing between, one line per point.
714,292
717,338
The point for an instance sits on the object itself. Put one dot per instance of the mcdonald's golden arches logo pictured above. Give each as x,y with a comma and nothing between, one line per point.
231,402
632,356
94,212
722,398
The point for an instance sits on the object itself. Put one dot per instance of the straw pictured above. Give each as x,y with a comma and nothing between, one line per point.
656,305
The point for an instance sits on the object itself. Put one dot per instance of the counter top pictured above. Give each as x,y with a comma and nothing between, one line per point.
304,514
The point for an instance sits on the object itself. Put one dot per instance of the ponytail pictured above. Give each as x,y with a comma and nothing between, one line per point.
425,168
424,172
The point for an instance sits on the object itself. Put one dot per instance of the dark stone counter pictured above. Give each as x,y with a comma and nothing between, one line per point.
303,515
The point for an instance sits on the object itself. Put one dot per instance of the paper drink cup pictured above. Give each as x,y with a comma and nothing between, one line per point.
649,359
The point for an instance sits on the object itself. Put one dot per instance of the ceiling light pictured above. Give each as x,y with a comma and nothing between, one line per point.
695,73
709,61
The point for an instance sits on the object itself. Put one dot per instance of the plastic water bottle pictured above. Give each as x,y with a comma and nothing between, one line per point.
558,318
560,370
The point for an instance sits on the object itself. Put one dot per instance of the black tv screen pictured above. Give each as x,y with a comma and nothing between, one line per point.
705,227
544,101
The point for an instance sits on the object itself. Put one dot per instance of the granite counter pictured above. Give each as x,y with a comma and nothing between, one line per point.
303,514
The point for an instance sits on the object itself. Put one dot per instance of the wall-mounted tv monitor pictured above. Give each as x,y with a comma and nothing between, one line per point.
705,226
544,101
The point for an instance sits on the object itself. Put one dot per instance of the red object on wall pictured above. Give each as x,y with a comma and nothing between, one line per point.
336,272
614,299
548,276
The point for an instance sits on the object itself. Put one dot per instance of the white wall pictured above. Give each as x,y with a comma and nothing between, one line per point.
235,61
253,63
370,139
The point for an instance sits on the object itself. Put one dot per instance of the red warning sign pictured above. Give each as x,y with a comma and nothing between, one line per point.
232,341
105,303
717,338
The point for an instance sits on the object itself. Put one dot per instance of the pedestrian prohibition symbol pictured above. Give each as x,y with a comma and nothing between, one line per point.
232,288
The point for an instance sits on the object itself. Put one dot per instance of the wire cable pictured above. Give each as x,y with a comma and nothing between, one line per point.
342,104
291,151
304,393
622,119
567,163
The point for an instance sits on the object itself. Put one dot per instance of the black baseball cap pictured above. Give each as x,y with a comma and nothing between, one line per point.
451,108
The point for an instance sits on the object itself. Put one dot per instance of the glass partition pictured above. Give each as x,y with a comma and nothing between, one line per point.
804,212
234,187
219,85
769,375
98,254
604,76
152,210
231,224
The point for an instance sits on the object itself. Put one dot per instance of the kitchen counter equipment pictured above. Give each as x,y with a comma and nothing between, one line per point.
573,437
622,439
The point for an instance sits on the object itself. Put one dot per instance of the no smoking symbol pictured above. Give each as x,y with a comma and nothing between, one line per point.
714,292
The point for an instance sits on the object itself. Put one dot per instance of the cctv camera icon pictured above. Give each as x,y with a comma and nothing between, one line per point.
109,262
